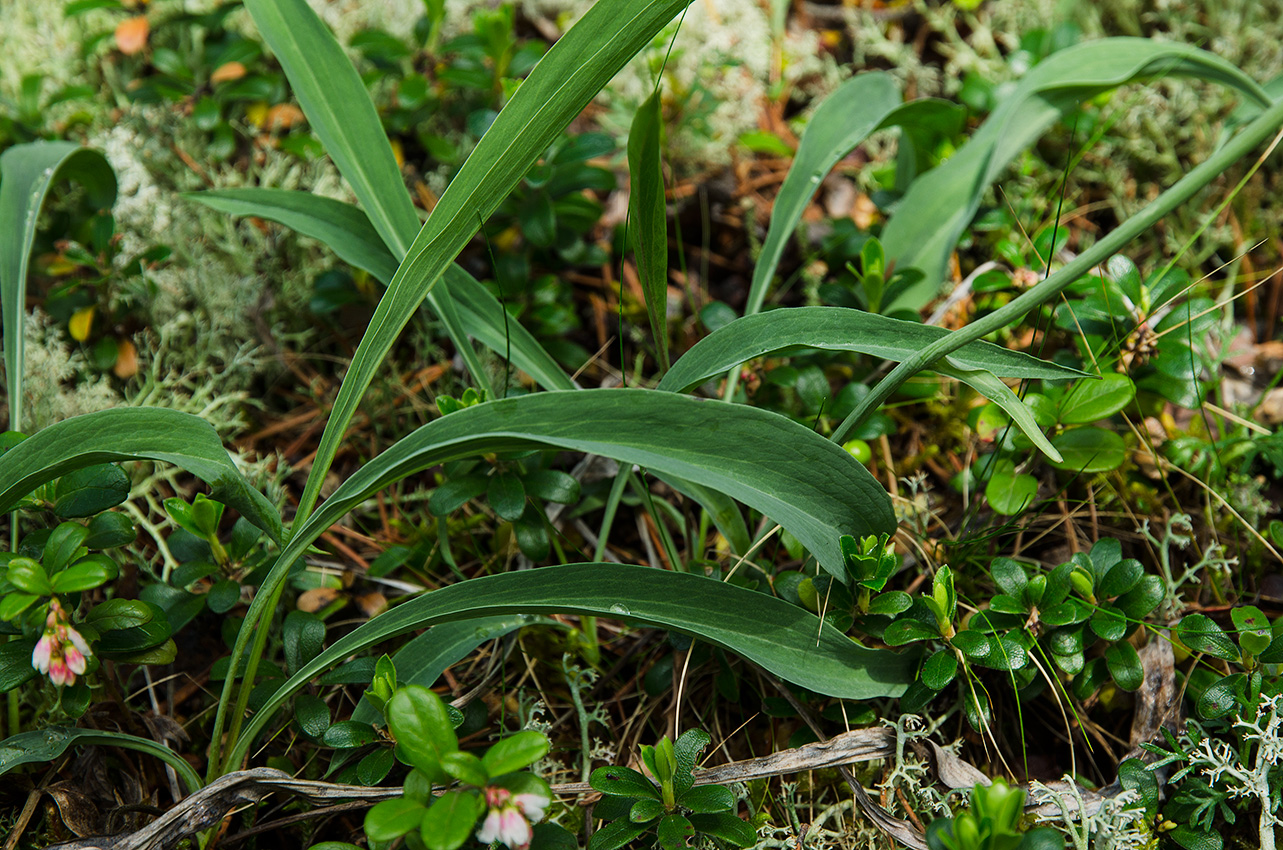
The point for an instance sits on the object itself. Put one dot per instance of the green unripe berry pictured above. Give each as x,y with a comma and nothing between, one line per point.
859,450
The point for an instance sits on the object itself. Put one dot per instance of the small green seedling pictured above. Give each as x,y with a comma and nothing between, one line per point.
675,809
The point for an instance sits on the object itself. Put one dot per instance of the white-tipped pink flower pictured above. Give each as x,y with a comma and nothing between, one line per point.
510,817
61,653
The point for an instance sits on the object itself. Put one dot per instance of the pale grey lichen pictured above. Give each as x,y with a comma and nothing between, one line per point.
58,382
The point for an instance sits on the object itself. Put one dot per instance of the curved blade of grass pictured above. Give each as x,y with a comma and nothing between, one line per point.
563,82
27,172
48,744
840,329
339,109
133,433
344,228
797,646
988,385
648,218
859,107
941,203
424,659
348,232
786,471
1260,129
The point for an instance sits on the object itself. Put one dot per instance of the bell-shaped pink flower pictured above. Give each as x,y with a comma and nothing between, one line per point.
62,652
510,817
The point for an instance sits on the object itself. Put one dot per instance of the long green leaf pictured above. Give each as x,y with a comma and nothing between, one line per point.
941,203
988,385
133,433
48,744
344,228
27,172
563,82
342,114
648,218
786,471
860,106
841,329
348,232
796,646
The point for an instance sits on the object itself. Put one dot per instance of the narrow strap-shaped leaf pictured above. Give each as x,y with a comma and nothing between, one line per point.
348,232
340,111
46,745
860,106
344,228
648,218
563,82
787,640
988,385
840,329
786,471
133,433
27,172
941,203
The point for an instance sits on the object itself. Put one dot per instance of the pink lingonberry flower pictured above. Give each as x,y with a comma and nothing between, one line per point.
510,817
61,653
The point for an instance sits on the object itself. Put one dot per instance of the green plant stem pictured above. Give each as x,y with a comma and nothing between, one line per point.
1252,135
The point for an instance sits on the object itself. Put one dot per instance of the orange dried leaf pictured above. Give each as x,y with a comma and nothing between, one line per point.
311,601
131,35
283,116
227,72
126,360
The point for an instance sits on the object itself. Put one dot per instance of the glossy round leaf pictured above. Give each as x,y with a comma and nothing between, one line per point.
1091,400
90,490
393,818
1201,634
312,714
515,752
939,670
1089,450
1124,666
450,820
506,495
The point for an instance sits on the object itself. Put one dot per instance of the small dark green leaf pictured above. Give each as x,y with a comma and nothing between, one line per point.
617,834
1138,602
646,810
347,734
725,826
109,530
648,219
1253,629
224,596
450,819
15,663
674,831
890,603
457,492
393,818
1196,839
1089,450
13,604
1124,666
939,670
515,752
421,724
88,573
304,636
622,782
466,768
553,486
1224,697
1109,623
90,490
144,636
1009,575
1201,634
312,714
65,544
974,645
908,630
507,496
708,799
375,767
1121,578
1091,400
